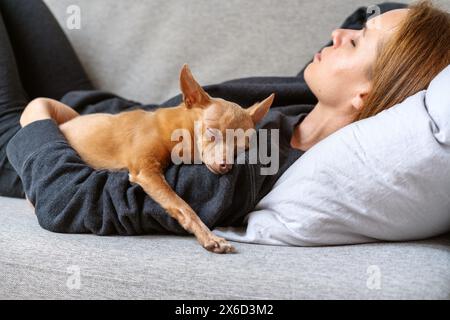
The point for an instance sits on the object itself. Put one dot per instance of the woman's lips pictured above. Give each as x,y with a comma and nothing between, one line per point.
318,56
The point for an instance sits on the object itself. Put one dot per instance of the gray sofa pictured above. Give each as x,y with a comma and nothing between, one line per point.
136,48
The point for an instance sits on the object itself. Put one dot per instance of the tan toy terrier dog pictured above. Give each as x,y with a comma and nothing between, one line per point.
140,141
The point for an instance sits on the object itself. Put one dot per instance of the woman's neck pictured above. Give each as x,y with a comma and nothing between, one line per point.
319,124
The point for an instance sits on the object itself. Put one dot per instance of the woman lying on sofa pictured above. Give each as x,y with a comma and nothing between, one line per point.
362,73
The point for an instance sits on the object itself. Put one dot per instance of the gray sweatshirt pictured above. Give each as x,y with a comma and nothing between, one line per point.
71,197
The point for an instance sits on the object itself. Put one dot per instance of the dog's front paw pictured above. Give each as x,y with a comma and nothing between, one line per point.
218,245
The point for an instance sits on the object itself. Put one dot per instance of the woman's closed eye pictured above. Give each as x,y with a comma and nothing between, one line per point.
353,43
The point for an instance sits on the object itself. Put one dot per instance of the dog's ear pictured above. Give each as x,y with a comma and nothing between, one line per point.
193,93
260,109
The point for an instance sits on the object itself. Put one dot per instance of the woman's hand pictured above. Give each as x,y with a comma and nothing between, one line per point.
43,108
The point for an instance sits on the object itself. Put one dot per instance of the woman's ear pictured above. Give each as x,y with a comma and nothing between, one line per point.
358,100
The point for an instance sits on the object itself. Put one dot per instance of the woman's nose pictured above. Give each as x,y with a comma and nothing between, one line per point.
337,35
340,36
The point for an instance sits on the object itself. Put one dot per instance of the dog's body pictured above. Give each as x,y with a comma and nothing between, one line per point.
140,141
128,139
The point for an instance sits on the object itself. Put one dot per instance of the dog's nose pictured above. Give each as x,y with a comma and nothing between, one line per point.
224,168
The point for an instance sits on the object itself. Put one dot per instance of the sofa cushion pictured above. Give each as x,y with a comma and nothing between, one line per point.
37,264
136,51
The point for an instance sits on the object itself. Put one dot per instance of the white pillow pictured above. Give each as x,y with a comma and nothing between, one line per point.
382,178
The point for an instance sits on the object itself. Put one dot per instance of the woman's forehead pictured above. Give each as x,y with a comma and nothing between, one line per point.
387,21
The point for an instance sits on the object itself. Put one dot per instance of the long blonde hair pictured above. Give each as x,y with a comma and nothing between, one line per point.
410,59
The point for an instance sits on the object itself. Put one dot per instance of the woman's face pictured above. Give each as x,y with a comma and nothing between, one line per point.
338,78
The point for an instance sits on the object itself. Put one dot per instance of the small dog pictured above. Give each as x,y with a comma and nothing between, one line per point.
140,141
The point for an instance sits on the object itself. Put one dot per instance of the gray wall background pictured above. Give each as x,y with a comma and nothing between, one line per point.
136,47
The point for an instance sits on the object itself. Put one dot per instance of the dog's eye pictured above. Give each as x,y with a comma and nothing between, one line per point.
211,134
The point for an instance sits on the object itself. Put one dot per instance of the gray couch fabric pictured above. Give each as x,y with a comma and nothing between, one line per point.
36,264
136,48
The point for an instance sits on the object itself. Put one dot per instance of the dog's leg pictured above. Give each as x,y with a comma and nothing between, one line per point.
155,184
